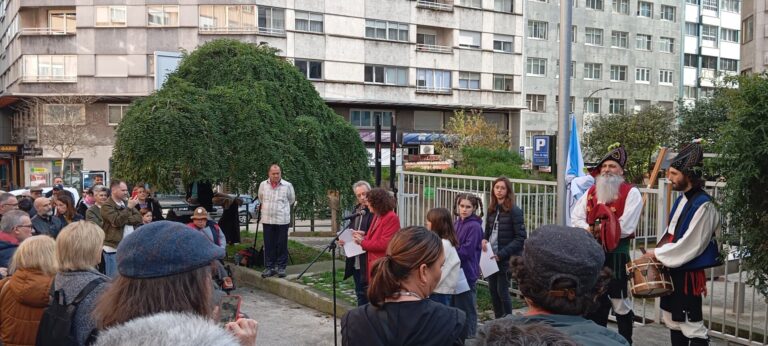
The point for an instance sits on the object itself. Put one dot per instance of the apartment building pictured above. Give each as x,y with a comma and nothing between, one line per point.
711,45
407,62
626,55
754,50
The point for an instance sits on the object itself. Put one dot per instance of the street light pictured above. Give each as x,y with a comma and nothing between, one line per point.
584,111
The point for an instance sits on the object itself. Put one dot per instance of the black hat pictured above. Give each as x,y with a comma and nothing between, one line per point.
618,154
557,252
689,159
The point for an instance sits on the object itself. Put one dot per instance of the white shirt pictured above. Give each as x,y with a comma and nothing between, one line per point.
633,207
276,202
451,268
703,225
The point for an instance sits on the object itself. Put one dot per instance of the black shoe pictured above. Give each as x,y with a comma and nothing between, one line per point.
281,273
269,272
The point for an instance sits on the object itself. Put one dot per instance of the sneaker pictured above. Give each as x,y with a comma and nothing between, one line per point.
269,272
281,272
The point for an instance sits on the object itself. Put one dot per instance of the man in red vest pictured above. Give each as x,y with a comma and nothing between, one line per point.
610,210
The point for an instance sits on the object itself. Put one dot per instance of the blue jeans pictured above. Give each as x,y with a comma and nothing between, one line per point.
467,302
110,264
498,284
444,299
361,287
275,246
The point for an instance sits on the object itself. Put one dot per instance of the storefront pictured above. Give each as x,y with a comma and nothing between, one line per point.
10,166
41,171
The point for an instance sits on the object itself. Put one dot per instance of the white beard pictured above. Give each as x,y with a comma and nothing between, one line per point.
607,187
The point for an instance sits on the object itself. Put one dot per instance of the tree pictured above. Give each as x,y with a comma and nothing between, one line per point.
486,162
702,119
229,111
641,133
743,148
470,129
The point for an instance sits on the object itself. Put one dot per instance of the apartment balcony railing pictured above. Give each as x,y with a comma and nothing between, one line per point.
46,31
433,48
49,79
432,89
435,5
241,30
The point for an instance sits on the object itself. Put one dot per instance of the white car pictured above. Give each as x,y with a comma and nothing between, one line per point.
25,191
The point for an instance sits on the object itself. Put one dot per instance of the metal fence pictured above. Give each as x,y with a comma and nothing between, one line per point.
733,310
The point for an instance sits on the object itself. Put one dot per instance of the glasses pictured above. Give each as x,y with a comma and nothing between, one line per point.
24,226
11,204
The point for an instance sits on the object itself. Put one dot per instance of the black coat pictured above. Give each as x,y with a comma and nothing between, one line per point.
154,206
511,232
365,222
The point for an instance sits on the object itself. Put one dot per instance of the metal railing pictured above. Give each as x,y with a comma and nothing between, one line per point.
421,47
52,79
240,30
435,5
733,310
46,31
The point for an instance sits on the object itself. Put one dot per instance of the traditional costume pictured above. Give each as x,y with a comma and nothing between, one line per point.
614,223
687,248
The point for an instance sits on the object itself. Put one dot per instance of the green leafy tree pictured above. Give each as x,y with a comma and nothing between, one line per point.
228,112
641,133
470,129
487,162
702,119
744,148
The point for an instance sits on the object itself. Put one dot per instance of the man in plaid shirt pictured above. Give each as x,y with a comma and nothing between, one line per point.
276,196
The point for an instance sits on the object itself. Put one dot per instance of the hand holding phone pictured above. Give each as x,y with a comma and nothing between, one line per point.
229,309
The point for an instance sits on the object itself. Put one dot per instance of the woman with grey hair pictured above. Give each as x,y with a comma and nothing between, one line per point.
100,195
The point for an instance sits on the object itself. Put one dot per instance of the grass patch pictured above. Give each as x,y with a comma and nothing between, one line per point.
299,253
323,282
485,306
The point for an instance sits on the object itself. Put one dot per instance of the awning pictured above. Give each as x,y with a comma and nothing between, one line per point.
414,138
369,136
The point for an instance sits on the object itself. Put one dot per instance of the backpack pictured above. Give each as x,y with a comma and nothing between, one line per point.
56,323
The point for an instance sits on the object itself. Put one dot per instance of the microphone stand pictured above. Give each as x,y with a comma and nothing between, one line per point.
332,247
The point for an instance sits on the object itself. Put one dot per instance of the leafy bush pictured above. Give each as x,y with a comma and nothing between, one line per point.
489,163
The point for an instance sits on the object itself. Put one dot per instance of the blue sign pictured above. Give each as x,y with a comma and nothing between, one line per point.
541,150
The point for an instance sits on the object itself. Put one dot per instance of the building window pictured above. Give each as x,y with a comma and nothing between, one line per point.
707,92
668,13
621,6
367,117
392,31
643,42
310,68
536,103
386,75
645,9
469,39
619,39
690,60
618,73
227,18
426,39
729,65
592,105
593,71
691,29
728,35
115,113
536,67
709,35
469,80
642,75
503,5
537,29
692,2
433,80
665,77
595,4
572,104
61,21
162,15
690,92
557,69
503,43
502,82
111,15
472,3
49,68
594,36
271,20
573,33
748,28
732,5
709,5
617,106
667,45
309,21
64,114
709,62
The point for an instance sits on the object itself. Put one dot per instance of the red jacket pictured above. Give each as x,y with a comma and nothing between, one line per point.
381,231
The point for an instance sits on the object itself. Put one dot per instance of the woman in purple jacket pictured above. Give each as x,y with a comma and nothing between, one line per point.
469,231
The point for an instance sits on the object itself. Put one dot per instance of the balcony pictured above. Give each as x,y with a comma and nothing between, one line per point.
423,89
241,30
434,39
47,31
421,47
49,79
47,21
437,5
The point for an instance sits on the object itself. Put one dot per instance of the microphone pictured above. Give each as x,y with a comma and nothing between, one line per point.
361,212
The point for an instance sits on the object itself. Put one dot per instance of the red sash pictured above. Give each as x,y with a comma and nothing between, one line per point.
609,232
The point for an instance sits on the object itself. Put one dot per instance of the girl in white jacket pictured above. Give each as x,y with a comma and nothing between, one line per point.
440,221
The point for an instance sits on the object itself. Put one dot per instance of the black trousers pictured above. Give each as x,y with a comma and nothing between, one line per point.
275,246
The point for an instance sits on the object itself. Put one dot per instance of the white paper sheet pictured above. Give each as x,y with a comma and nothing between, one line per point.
127,230
351,249
488,266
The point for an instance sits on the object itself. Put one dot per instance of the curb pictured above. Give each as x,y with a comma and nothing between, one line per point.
289,290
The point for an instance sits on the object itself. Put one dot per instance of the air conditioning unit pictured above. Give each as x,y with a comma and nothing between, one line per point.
427,149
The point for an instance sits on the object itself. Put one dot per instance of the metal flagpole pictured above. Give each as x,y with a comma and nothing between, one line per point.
566,24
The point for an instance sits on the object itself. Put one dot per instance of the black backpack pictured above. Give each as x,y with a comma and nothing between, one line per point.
56,324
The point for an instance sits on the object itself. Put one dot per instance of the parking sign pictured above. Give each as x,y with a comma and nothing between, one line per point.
541,150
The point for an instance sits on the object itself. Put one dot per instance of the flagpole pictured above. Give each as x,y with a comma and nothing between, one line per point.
563,133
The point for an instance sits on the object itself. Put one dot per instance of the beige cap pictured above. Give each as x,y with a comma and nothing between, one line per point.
200,213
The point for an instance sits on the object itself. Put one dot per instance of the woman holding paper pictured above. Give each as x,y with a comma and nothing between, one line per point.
505,234
469,231
384,225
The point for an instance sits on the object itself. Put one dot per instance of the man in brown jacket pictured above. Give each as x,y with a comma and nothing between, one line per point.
120,217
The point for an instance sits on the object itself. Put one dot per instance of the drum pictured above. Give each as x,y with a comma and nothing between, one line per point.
648,278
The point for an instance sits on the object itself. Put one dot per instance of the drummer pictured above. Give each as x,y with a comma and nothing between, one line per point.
625,201
690,248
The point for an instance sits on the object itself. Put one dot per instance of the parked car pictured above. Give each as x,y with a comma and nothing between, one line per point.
249,209
72,190
180,210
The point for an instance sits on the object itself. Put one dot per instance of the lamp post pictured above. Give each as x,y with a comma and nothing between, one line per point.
586,100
